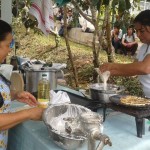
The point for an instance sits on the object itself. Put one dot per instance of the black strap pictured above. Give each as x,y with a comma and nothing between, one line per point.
1,100
5,80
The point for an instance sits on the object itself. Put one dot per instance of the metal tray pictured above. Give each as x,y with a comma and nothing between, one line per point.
116,100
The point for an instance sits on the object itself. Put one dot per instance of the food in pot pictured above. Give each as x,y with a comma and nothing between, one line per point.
135,101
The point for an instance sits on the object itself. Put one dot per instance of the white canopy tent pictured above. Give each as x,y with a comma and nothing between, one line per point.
6,10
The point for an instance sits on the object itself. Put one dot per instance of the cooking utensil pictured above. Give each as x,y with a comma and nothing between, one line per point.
116,100
33,77
64,140
71,125
98,93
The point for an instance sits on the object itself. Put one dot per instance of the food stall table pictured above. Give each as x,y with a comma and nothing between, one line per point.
33,135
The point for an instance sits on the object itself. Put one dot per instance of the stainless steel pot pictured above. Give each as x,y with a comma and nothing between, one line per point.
63,139
97,91
33,77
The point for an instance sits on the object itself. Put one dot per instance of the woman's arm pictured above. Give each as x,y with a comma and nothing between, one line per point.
24,97
135,68
11,119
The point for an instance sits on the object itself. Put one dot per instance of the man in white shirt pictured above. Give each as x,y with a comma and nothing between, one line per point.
69,21
116,35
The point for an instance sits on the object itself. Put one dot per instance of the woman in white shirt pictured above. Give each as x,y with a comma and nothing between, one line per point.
141,66
129,41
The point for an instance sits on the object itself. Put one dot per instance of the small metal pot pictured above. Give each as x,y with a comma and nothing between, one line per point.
98,93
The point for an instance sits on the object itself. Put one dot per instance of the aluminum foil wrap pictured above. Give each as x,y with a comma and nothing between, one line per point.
63,125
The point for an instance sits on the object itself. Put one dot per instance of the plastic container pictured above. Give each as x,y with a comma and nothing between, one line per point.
43,91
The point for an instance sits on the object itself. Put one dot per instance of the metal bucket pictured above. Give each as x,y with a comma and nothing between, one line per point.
33,77
98,93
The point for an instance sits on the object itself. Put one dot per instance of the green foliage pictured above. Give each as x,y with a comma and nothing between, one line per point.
128,4
95,2
131,84
86,73
61,2
122,6
106,2
114,3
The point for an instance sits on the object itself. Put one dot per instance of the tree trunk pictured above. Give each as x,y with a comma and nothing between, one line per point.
108,33
68,47
95,49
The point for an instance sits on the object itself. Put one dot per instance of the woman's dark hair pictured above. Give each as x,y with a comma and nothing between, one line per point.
5,28
143,18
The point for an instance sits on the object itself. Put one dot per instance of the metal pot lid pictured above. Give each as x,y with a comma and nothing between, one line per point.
42,70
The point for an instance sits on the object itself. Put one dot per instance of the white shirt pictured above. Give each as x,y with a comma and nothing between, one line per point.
144,79
69,19
130,38
85,24
119,35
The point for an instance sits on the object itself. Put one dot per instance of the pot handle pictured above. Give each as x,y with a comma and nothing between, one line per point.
84,95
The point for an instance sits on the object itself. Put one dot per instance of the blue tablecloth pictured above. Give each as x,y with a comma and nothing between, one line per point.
121,128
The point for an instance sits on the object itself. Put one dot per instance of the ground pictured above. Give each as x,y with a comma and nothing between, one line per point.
41,47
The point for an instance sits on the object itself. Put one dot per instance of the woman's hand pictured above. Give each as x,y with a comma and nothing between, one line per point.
105,67
125,44
35,113
129,45
26,97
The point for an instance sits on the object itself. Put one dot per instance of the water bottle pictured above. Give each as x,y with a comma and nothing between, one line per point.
43,91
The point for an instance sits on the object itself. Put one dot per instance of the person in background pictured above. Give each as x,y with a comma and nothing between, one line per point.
9,119
116,35
59,14
69,21
141,66
129,41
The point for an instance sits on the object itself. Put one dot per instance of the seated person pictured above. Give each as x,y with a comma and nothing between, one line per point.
69,21
86,26
129,43
116,35
59,14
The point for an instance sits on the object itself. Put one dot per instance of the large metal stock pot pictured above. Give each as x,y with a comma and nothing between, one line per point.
33,77
98,93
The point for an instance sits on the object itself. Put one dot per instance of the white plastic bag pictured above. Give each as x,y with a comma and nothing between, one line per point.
59,97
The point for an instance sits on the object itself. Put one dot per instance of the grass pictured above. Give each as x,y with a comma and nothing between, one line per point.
41,47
